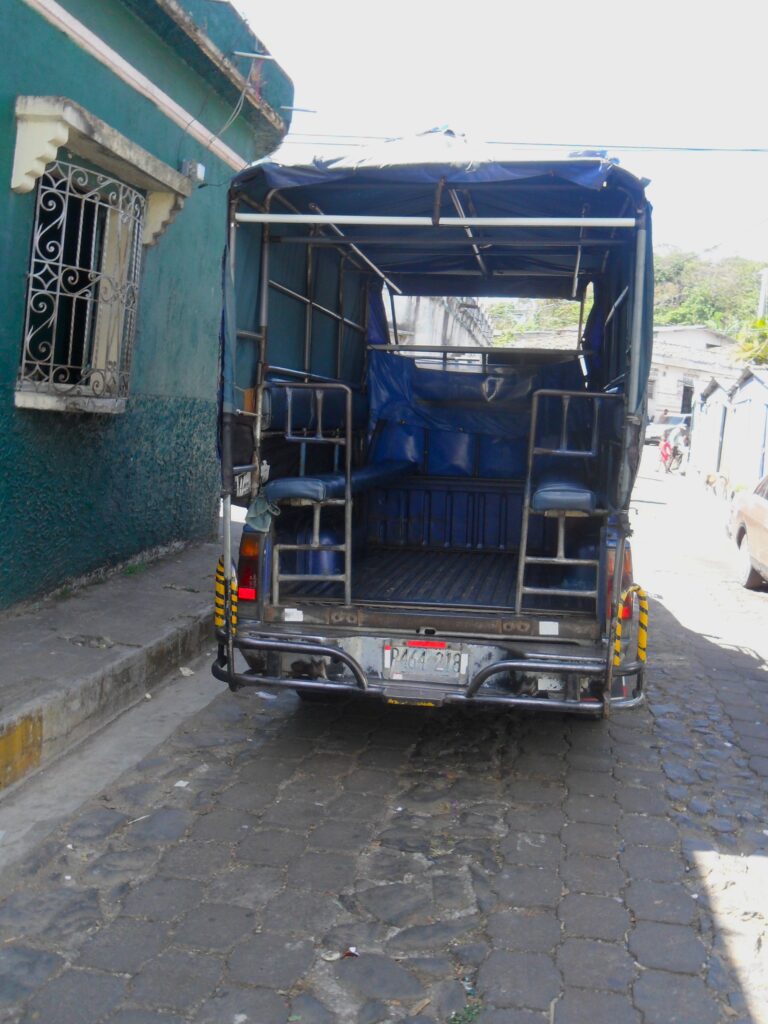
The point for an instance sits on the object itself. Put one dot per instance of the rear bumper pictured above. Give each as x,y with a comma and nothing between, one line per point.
486,684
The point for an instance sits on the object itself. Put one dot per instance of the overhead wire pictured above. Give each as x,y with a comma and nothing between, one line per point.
336,138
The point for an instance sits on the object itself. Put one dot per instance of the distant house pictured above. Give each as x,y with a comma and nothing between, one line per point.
746,431
709,417
730,433
685,359
121,123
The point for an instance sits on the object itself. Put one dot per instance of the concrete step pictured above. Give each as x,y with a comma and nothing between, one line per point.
72,664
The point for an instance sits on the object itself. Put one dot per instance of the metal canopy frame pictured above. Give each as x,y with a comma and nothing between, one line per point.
367,220
484,249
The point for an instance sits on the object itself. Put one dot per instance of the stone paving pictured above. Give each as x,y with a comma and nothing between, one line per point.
484,867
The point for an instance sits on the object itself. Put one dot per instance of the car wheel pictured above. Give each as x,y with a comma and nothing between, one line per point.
749,577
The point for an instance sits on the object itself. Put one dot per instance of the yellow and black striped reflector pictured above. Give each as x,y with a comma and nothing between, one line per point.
642,626
220,600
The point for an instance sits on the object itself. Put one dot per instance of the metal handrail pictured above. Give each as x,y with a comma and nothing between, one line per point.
318,389
530,665
576,665
565,451
301,647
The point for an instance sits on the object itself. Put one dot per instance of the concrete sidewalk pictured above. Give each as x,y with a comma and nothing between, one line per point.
73,663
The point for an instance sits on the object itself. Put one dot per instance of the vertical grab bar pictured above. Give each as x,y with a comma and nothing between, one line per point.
565,450
317,392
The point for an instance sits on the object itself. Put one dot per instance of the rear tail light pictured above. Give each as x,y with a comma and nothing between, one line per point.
627,576
248,568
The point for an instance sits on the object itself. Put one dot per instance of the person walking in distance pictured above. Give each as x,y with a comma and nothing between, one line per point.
665,451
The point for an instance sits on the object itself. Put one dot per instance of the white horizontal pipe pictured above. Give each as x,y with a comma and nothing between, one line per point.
445,222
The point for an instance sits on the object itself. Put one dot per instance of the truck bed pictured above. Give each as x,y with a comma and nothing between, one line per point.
407,576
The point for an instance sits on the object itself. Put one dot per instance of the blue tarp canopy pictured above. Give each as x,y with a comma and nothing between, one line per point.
439,175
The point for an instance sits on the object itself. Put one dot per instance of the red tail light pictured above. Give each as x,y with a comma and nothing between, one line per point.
248,568
627,576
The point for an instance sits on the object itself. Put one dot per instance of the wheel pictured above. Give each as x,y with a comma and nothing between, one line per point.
749,577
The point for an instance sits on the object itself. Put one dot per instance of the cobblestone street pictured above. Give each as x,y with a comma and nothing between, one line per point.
492,867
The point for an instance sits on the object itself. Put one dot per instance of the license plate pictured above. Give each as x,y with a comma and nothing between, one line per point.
418,659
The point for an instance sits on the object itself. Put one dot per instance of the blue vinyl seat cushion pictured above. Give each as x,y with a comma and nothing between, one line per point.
555,495
331,485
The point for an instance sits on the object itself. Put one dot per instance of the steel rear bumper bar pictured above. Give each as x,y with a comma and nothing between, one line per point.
472,694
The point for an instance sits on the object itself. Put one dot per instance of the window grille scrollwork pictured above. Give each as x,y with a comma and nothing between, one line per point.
83,284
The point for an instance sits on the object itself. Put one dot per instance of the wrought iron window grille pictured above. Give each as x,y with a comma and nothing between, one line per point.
83,285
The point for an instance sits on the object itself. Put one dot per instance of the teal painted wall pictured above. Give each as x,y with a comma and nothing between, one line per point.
78,492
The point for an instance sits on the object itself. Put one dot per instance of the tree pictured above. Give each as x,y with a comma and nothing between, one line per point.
722,295
512,319
753,343
690,290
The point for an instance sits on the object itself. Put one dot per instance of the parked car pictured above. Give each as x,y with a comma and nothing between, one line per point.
748,526
672,421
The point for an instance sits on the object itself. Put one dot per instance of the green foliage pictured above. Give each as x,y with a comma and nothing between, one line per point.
469,1014
135,568
513,318
689,290
753,343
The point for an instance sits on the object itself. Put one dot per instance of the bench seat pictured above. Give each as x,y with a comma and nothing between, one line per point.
563,496
331,485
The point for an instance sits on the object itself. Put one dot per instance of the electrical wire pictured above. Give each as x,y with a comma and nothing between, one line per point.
237,108
326,137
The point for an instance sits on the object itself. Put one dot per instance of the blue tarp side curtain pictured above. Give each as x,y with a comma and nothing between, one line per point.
227,342
496,403
378,330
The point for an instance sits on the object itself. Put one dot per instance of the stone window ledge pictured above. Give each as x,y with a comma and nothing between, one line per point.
46,401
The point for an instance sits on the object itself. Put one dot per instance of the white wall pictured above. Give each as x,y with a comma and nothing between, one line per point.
429,320
692,356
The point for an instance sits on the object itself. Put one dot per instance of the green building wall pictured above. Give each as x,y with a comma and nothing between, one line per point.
83,491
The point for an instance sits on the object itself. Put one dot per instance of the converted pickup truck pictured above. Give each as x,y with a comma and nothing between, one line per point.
428,524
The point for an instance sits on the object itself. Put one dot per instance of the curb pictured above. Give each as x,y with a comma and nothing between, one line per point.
36,733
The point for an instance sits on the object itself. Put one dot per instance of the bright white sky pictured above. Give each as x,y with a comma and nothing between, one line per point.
671,73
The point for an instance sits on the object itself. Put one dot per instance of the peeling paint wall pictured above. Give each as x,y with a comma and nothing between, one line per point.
81,491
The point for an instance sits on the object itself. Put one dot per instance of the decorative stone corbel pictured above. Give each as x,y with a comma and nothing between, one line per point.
38,138
161,209
45,123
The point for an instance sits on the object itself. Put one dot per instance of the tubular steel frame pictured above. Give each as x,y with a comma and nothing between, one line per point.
317,390
563,451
